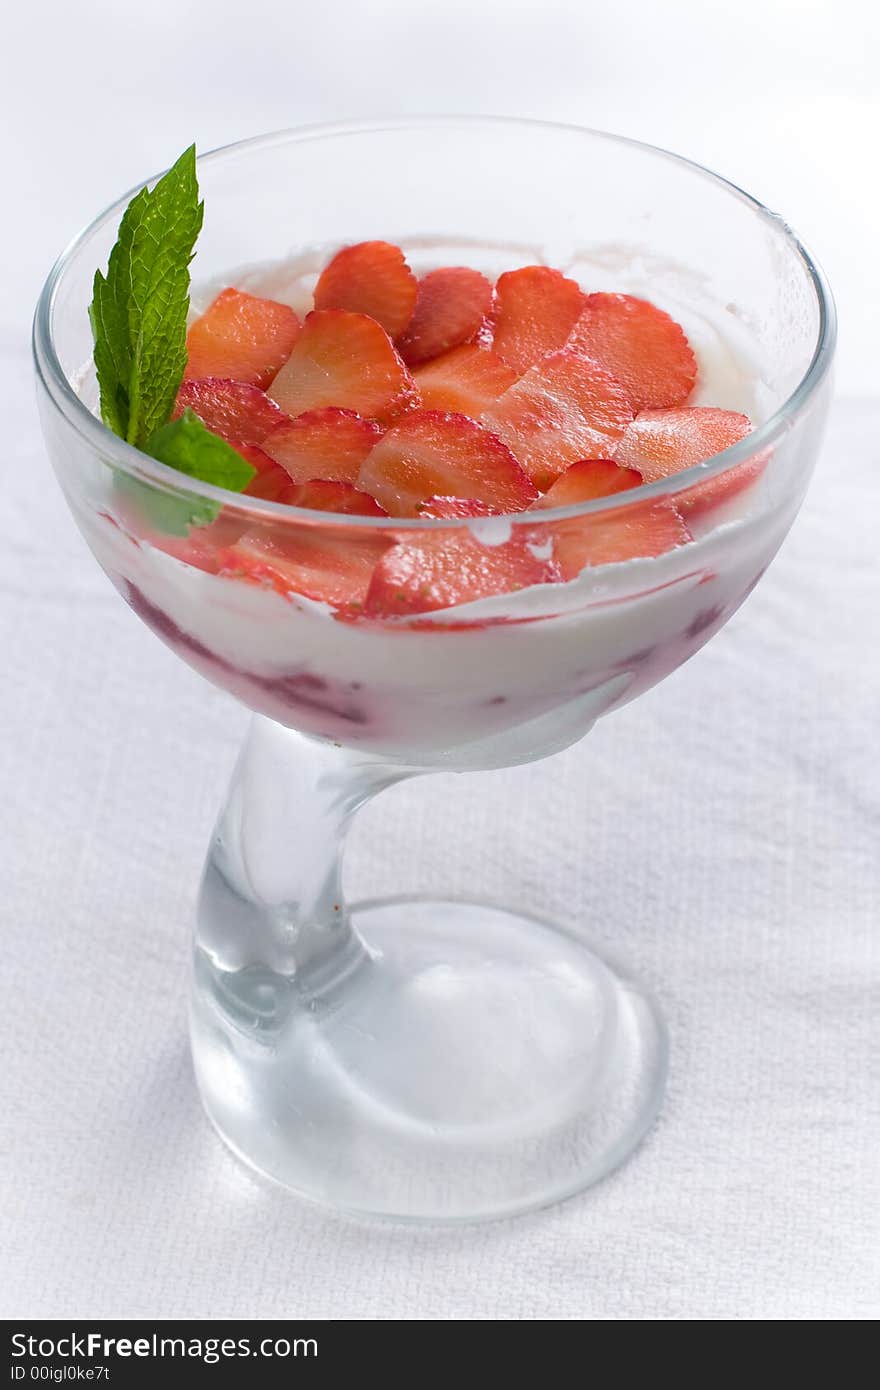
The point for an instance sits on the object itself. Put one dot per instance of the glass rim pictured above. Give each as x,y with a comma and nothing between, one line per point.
145,469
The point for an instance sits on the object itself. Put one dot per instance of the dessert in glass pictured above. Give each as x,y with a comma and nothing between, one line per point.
528,411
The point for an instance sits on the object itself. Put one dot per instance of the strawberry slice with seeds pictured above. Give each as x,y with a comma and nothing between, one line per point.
328,443
662,442
451,307
240,412
325,495
468,380
432,570
204,547
535,310
607,537
370,278
457,508
270,479
309,561
485,334
565,408
640,345
586,480
346,360
432,453
635,532
241,337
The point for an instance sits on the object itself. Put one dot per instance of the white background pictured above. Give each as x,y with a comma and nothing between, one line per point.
721,833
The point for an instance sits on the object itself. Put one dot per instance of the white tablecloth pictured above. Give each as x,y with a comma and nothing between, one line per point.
720,834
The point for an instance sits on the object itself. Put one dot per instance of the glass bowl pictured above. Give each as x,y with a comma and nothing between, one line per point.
440,1060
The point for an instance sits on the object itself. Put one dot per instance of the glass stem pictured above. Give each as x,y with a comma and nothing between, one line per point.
271,897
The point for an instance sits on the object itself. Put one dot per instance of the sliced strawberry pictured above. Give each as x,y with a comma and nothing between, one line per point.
347,360
640,345
485,334
328,443
536,309
431,453
467,379
662,442
234,409
270,479
586,480
370,278
565,408
628,533
327,496
451,307
331,564
241,337
439,569
204,545
605,537
457,508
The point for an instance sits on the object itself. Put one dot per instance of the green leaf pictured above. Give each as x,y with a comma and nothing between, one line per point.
138,317
172,513
186,445
139,308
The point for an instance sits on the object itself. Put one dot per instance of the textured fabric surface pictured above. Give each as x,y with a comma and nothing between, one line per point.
719,835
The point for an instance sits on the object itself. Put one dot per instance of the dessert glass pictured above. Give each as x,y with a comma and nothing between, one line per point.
415,1058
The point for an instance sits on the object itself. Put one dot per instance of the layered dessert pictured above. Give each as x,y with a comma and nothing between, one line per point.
409,567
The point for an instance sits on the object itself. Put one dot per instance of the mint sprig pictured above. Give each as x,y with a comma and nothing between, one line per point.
138,316
139,307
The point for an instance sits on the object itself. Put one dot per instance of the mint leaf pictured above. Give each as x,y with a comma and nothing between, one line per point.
171,513
139,308
186,444
138,317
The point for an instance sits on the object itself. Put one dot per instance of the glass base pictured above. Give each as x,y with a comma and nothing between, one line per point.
470,1062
